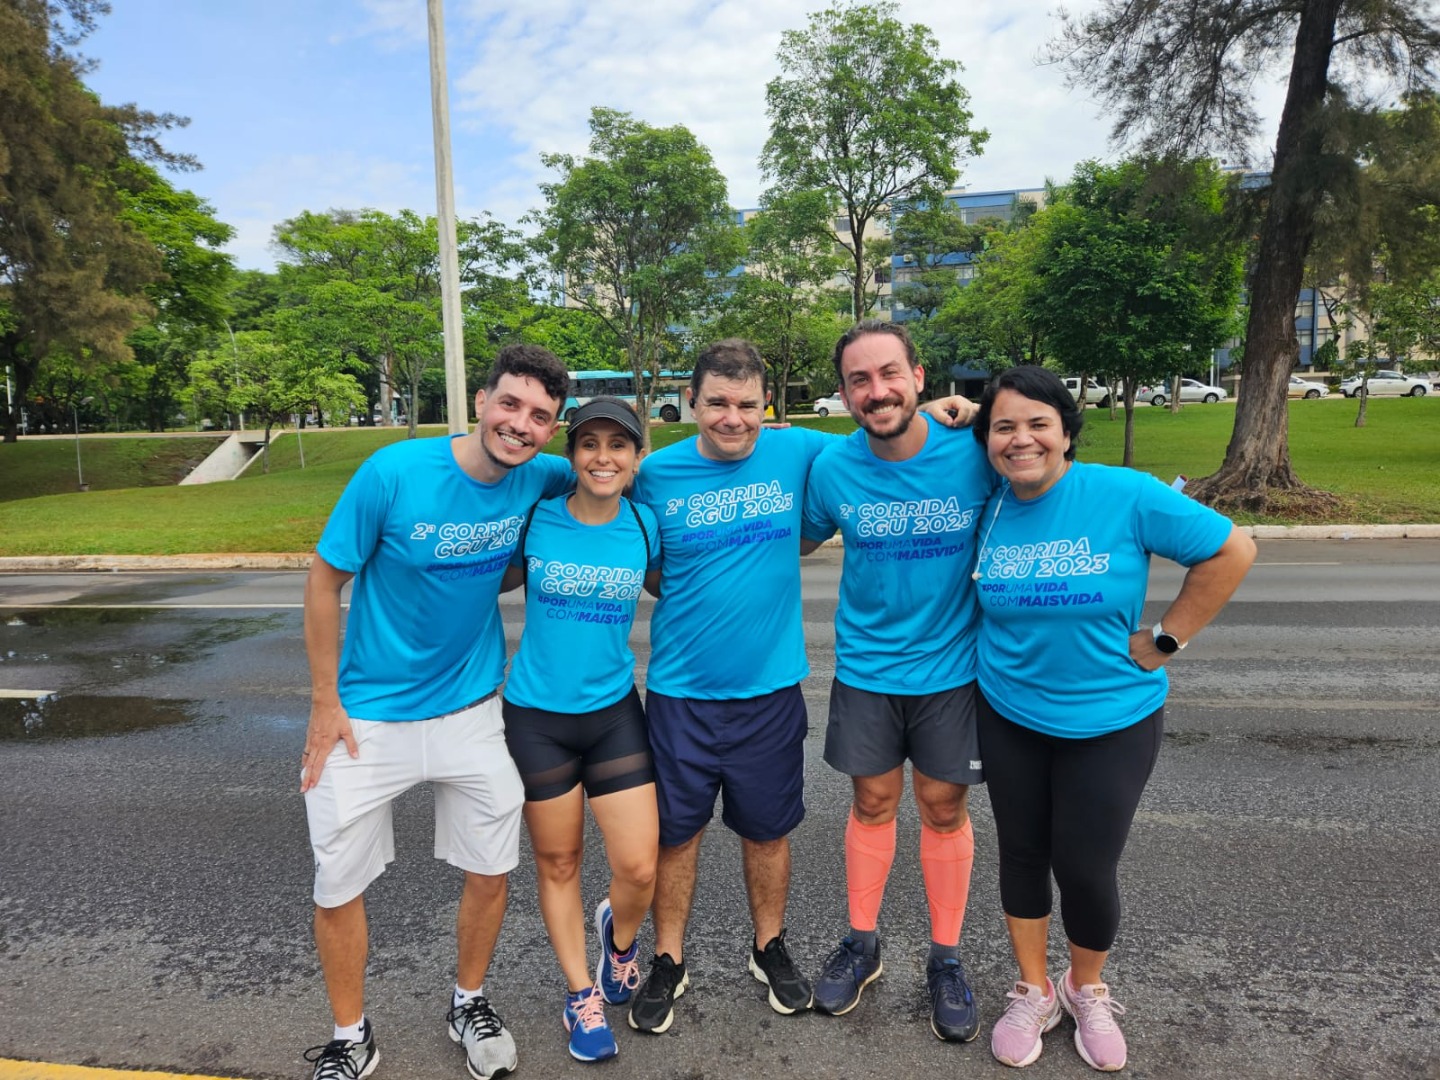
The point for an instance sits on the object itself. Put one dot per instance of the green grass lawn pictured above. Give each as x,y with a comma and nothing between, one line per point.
1388,471
34,467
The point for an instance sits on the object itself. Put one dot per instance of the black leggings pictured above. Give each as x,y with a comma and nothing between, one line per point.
1065,806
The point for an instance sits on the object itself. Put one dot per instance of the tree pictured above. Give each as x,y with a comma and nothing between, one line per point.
1136,273
73,269
267,380
1181,78
637,233
865,108
779,300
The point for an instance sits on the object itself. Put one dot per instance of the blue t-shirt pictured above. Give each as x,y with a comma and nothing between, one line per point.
428,545
1062,588
907,617
728,622
581,586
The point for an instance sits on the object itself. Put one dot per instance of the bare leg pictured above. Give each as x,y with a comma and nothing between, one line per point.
342,938
630,824
557,835
482,909
1029,938
878,797
767,884
674,891
1086,965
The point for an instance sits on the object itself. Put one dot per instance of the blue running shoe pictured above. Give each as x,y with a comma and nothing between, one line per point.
618,974
590,1036
847,971
953,1015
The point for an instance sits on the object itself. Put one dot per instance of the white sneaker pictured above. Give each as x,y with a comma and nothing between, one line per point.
489,1047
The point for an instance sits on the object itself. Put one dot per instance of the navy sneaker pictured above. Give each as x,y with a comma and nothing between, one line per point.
790,991
847,971
590,1036
653,1008
953,1015
618,974
341,1059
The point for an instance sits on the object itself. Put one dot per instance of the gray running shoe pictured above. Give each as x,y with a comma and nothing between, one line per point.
489,1047
341,1059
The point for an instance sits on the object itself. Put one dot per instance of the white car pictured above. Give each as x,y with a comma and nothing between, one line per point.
1190,390
1095,394
1389,383
1304,388
826,405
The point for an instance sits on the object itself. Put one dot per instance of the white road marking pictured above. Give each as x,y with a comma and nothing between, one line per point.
18,694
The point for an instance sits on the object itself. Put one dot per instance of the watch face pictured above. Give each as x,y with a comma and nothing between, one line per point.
1167,643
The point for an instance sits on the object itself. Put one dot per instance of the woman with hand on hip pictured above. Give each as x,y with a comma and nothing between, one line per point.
1073,687
573,719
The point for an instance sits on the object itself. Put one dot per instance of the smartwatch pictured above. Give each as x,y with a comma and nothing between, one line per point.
1167,643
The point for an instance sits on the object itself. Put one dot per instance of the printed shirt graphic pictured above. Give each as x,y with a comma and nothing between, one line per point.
728,621
428,546
1062,588
581,586
907,618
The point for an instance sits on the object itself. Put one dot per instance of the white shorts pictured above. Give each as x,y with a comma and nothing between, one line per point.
478,798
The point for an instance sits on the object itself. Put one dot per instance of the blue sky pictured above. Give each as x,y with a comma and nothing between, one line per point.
314,104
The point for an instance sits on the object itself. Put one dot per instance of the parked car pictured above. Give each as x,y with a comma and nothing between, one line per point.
1304,388
1390,383
826,405
1190,390
1095,394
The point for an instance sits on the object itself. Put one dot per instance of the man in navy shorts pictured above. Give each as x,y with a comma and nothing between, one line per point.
723,697
907,497
426,529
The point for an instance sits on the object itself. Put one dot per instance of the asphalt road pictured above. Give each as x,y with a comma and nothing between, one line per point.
1281,883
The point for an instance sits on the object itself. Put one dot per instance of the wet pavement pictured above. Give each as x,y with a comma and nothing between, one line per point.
1280,884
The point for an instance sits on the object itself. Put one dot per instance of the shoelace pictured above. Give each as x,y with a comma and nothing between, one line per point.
664,977
590,1011
476,1013
779,957
1023,1011
333,1061
627,972
952,987
1097,1013
842,959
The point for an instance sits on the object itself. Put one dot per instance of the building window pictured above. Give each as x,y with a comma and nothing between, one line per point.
965,273
842,224
882,274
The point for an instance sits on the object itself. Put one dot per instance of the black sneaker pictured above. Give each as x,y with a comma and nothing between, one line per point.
341,1059
789,990
652,1008
953,1015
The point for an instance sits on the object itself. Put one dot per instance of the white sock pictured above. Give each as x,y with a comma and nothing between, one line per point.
353,1033
462,996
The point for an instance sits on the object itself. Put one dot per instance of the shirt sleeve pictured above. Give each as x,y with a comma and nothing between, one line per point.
355,526
1174,525
559,477
817,522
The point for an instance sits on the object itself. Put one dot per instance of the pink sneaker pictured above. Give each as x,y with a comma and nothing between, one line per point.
1097,1036
1015,1038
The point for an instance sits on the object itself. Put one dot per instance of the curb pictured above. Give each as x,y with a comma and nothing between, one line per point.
30,564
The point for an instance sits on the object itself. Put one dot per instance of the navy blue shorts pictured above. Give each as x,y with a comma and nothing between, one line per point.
750,749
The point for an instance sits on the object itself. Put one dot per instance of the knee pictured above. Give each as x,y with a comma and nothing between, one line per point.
942,812
636,871
875,807
559,865
486,886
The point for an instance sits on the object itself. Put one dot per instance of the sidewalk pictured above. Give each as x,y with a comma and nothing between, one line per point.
31,564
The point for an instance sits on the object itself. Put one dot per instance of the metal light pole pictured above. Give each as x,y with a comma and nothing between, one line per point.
445,216
75,414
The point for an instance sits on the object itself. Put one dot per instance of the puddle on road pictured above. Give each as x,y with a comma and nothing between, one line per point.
64,617
79,716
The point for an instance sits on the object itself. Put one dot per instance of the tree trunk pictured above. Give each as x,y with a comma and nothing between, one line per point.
1257,461
1128,457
